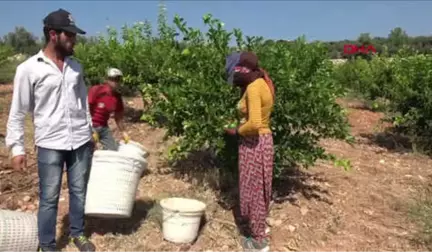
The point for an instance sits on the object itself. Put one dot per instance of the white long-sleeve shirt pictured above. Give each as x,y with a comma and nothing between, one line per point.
57,101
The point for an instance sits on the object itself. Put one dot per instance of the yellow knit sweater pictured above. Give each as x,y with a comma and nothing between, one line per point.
255,107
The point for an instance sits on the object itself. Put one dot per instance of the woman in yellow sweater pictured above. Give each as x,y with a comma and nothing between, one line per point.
255,146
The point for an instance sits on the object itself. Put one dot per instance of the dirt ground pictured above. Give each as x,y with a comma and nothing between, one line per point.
328,208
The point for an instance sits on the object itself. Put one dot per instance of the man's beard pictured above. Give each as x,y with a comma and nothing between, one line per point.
62,50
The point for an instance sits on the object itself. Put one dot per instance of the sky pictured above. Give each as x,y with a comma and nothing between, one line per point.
317,20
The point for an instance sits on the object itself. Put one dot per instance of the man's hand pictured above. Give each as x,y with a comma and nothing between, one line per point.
95,137
126,137
19,163
95,140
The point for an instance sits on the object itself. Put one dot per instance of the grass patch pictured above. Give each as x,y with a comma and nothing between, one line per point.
7,71
421,213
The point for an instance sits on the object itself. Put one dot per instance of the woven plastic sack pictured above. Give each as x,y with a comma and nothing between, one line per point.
18,231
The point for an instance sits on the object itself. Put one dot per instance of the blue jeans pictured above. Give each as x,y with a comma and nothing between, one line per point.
50,170
106,138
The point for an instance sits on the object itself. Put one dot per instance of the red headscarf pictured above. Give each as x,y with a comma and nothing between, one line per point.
247,71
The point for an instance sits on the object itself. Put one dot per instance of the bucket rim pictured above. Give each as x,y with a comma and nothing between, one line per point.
163,203
115,154
136,144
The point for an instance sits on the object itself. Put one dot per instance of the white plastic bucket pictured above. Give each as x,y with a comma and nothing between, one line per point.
133,147
18,231
181,219
112,185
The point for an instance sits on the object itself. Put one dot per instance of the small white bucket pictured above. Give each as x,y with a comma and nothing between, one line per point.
181,219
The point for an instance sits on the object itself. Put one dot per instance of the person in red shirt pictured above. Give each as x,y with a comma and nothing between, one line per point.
104,100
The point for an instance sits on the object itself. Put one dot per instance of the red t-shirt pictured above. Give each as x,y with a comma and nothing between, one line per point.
103,101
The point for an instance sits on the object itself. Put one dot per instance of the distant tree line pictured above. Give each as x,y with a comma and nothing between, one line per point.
23,41
389,45
396,39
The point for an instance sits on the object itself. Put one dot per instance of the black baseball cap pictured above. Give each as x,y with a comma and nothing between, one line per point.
62,20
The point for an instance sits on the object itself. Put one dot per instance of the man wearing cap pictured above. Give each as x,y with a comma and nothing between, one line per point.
50,86
104,100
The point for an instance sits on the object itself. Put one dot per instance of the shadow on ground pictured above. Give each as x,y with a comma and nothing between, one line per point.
115,226
393,142
5,93
133,115
2,139
377,105
295,181
201,169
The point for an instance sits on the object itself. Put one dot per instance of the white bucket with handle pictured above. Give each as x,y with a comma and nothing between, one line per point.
114,178
181,219
18,231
